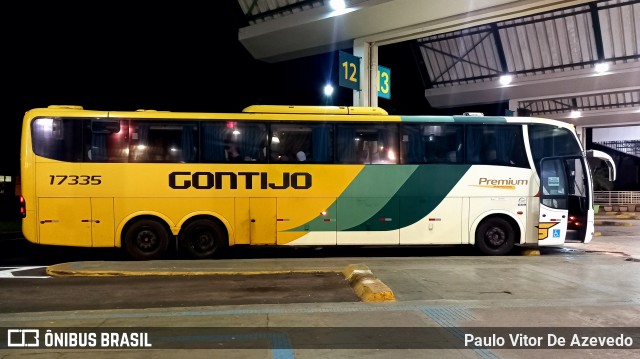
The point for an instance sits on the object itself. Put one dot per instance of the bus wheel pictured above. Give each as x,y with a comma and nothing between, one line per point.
146,239
495,236
202,239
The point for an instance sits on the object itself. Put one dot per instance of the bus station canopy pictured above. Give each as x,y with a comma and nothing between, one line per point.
551,49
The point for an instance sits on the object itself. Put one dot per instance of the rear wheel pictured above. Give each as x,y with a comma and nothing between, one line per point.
495,236
203,238
146,239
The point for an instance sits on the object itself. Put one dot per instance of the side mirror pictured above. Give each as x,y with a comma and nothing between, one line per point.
607,159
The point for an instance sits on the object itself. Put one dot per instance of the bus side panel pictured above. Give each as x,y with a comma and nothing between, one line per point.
312,218
482,207
494,190
102,224
356,229
442,226
262,212
65,221
532,226
242,222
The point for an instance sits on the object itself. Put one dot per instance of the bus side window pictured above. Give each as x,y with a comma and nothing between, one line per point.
346,139
107,140
232,154
301,142
250,139
413,146
213,142
443,143
367,143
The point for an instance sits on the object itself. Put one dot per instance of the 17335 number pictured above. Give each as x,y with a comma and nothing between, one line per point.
72,180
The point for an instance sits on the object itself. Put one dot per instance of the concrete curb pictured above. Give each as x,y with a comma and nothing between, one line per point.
366,286
66,270
529,252
617,213
612,223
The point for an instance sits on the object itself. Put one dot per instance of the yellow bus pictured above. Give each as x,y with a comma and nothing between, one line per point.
300,176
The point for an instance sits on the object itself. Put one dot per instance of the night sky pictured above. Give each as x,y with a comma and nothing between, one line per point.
166,58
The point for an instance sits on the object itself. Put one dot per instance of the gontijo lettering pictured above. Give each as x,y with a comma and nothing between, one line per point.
247,180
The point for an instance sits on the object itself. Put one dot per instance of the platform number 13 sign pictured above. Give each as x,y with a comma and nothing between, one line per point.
349,75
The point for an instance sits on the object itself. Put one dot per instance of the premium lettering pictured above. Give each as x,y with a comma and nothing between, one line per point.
246,180
502,182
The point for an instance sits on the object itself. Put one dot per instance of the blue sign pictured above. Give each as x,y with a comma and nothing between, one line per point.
384,82
349,74
556,233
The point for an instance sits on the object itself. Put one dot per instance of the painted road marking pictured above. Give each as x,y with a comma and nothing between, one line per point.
8,272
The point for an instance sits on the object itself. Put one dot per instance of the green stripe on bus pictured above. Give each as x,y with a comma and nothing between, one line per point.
368,193
385,198
417,197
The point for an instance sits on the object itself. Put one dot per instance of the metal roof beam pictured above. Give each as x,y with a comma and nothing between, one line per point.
552,85
499,48
319,30
597,32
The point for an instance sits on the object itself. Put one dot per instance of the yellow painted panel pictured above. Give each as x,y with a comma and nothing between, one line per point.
157,180
295,212
298,212
263,220
65,221
102,225
242,222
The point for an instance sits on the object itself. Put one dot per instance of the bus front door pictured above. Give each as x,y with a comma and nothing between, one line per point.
554,203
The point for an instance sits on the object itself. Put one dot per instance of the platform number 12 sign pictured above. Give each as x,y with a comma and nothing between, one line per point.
349,71
349,74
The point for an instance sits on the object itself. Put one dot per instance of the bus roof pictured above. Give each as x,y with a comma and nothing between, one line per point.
293,113
325,110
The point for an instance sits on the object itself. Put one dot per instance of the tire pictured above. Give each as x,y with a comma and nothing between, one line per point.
495,237
203,239
146,239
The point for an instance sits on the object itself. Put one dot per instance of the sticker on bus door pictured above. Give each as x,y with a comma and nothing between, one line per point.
554,203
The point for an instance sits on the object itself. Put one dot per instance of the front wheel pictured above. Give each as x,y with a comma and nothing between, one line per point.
203,238
495,237
146,239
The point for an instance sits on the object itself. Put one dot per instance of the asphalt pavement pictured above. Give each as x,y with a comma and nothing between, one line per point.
439,301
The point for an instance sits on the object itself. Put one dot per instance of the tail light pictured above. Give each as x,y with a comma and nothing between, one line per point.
23,207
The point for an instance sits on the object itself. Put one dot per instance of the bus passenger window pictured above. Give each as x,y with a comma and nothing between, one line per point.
432,143
367,143
212,142
496,145
231,153
301,142
249,139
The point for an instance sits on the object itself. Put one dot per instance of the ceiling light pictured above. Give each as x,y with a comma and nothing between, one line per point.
337,4
575,114
602,67
505,80
328,90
